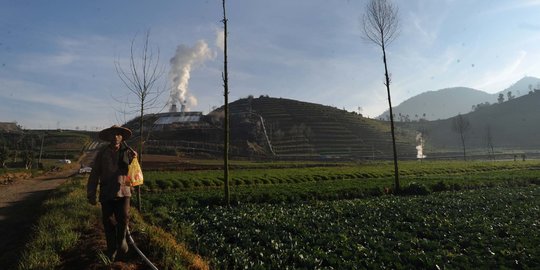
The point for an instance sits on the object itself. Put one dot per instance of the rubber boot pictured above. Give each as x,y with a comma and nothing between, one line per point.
121,243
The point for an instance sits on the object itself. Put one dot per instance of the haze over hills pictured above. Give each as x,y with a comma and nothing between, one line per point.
512,124
449,102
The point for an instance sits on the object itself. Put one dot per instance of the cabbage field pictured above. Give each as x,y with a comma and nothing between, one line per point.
454,215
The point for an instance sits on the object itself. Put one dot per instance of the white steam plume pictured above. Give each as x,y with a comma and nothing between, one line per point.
185,59
420,146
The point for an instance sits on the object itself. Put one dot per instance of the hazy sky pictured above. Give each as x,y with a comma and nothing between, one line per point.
57,57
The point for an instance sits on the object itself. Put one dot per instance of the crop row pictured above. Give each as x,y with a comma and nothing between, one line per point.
338,189
495,228
187,180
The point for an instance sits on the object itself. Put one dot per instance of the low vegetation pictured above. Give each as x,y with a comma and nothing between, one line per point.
346,181
495,228
66,217
63,218
452,214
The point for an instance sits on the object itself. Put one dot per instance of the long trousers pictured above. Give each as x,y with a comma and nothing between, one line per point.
115,221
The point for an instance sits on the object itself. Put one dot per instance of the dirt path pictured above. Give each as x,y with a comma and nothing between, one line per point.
18,204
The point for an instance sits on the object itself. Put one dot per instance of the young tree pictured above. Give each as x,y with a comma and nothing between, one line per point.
461,125
28,159
500,99
489,142
226,131
4,156
509,95
141,78
381,27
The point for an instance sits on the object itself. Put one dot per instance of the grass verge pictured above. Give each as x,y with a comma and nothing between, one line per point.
65,218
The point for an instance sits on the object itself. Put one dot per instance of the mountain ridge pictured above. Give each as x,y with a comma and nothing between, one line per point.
448,102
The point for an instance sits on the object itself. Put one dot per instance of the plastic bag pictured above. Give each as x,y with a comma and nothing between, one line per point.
135,175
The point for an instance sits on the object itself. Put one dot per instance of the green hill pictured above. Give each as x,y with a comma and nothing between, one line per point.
513,124
277,128
301,129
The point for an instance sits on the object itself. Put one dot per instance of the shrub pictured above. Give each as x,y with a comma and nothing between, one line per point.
164,184
206,182
218,182
176,183
455,186
440,186
186,183
150,184
237,182
414,188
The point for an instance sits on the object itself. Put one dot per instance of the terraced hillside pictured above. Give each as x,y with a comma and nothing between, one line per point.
302,129
278,128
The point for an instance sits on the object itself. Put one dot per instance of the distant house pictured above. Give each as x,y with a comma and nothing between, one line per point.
9,127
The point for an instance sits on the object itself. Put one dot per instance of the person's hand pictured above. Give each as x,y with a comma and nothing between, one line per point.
92,201
134,153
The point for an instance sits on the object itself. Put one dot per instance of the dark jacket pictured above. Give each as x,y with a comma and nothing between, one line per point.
109,171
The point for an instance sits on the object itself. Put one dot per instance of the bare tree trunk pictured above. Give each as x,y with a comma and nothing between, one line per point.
387,83
461,124
226,117
141,141
463,145
380,27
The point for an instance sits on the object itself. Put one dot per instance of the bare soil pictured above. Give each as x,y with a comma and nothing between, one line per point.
19,199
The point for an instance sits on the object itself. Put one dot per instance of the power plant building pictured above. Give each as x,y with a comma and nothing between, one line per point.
177,119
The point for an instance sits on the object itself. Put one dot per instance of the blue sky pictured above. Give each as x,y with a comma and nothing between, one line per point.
57,58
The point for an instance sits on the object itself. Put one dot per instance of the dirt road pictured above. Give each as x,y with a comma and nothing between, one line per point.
19,202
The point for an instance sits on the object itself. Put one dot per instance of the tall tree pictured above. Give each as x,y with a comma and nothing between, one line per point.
381,24
460,125
141,78
226,132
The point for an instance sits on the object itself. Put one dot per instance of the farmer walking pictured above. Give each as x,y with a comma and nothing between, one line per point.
109,171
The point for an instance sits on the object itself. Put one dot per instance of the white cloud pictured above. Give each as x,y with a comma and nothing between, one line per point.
497,79
220,39
30,92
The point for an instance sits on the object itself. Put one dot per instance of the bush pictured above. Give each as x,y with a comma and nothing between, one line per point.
440,186
207,182
164,184
237,182
186,183
414,188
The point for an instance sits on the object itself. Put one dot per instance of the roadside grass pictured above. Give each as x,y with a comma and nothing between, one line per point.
162,246
65,216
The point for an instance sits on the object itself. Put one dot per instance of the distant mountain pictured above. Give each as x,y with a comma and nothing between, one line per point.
512,124
449,102
521,87
441,104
